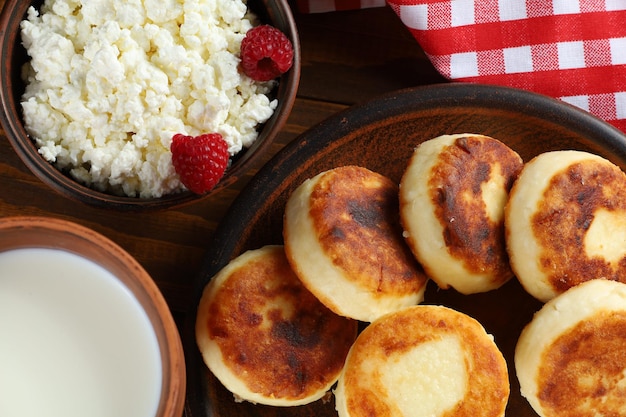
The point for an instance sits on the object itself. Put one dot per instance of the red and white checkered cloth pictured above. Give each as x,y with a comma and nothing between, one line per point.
574,50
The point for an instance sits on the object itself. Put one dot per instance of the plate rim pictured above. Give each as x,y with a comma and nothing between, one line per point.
409,99
265,182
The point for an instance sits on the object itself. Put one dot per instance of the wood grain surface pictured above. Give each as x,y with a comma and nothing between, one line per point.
347,57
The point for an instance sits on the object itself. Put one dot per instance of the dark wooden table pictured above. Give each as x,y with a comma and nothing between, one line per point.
347,58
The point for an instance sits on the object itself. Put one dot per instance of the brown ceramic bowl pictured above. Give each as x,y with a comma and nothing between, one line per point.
63,237
13,56
381,135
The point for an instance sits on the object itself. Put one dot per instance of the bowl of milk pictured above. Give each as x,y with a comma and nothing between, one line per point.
84,330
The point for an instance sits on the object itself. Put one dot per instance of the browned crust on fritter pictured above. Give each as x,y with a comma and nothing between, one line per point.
356,217
274,353
582,371
455,190
564,215
488,385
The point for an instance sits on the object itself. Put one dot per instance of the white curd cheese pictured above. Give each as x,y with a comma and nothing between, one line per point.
111,81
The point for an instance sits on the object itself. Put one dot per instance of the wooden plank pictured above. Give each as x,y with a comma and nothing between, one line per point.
352,56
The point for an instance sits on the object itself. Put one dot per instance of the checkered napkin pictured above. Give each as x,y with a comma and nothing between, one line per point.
574,50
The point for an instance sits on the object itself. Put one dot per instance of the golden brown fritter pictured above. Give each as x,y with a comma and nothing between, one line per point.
260,328
424,360
343,239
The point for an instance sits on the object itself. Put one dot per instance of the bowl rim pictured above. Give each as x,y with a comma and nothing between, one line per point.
14,12
40,230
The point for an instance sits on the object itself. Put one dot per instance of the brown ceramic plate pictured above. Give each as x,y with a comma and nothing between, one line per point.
381,135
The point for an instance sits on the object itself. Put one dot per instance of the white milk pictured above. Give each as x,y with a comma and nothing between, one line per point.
74,341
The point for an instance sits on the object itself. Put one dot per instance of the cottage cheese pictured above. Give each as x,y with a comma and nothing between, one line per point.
111,81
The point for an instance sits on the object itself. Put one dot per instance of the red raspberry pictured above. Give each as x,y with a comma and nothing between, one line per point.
266,53
199,161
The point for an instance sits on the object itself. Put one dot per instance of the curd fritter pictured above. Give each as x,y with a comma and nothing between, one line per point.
571,358
343,239
452,198
566,222
265,336
423,361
